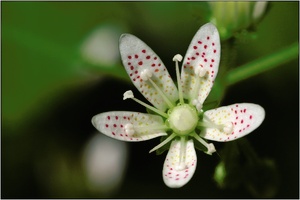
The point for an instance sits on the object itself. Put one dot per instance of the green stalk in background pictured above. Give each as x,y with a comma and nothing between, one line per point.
262,64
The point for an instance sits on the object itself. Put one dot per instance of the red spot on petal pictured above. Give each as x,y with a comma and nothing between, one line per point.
250,117
155,58
193,58
129,63
205,60
207,37
215,51
244,110
144,51
136,56
136,72
205,46
195,47
156,70
197,53
199,42
124,117
129,57
117,117
210,65
213,44
147,57
242,121
121,126
115,125
108,117
106,125
131,67
212,60
159,64
153,65
140,63
113,133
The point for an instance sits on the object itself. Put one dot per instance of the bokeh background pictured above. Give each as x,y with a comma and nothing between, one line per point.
61,66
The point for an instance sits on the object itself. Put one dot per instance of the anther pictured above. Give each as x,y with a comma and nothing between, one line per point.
146,74
129,129
197,104
228,127
199,71
181,166
128,95
177,58
210,148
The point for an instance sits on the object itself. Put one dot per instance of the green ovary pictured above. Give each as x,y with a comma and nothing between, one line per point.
183,119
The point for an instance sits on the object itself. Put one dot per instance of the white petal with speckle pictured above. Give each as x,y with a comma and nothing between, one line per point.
113,124
173,177
137,57
204,54
245,117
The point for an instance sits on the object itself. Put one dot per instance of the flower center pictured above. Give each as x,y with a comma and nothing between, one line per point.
183,119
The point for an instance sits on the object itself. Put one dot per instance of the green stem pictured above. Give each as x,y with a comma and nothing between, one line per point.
262,64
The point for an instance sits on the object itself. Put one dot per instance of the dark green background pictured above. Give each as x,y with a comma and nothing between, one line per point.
47,102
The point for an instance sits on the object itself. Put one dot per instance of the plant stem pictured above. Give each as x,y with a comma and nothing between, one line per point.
262,64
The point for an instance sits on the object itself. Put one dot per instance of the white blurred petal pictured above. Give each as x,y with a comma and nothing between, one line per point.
104,163
101,46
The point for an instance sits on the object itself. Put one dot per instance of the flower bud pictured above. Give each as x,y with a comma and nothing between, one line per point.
231,17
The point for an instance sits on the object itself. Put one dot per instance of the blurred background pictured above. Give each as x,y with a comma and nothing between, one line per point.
61,66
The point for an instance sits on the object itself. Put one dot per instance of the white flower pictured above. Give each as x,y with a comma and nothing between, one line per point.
179,114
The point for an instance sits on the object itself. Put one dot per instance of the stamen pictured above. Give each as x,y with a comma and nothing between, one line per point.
227,128
163,142
200,73
148,128
182,155
209,124
129,94
178,58
210,146
162,95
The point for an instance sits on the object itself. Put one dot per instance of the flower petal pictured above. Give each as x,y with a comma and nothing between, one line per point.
173,176
201,63
129,126
138,57
242,119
